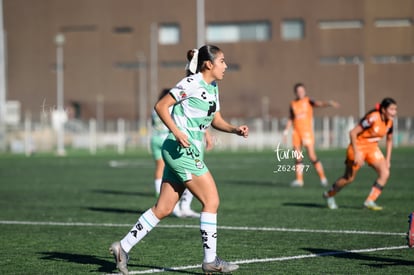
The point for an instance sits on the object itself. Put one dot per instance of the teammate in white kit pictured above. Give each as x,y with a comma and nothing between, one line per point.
159,133
196,106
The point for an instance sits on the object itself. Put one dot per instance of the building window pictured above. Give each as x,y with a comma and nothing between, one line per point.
384,23
79,28
129,65
341,60
293,29
169,34
123,30
387,59
181,65
235,32
341,24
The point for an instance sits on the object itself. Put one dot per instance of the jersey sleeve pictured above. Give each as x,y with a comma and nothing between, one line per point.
311,102
391,130
182,89
367,121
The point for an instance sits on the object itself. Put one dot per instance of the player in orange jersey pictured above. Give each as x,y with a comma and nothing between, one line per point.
364,148
301,117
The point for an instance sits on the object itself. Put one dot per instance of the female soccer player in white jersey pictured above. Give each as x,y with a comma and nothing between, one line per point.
196,106
159,133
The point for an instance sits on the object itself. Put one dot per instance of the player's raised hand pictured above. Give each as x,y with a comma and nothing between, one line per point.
242,131
334,104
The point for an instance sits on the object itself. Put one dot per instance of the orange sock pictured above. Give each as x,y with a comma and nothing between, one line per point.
334,189
337,186
319,169
375,192
332,192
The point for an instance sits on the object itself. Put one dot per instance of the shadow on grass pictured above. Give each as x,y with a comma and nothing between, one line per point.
115,210
128,193
125,211
381,262
255,183
170,269
104,266
305,204
316,205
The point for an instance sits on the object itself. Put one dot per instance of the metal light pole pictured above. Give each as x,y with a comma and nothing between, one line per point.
361,87
154,63
100,99
142,92
61,115
2,82
201,32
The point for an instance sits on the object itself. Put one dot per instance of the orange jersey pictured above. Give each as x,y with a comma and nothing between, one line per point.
301,114
374,127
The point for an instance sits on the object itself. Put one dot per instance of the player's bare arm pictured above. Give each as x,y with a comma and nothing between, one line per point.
220,124
388,149
288,125
163,112
353,137
329,103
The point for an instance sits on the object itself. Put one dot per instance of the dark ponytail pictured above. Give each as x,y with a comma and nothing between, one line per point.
190,55
205,53
386,102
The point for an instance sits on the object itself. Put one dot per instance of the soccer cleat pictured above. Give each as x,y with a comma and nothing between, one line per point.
121,257
297,183
324,182
410,234
219,265
189,213
371,205
330,201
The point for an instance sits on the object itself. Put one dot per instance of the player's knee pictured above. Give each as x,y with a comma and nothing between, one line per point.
385,174
211,204
162,211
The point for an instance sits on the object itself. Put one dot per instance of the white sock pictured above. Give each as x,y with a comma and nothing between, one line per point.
186,199
157,184
208,229
144,225
177,209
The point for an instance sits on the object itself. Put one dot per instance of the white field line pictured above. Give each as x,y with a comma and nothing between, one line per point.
240,228
279,259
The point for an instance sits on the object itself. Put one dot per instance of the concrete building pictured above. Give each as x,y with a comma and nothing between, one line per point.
111,47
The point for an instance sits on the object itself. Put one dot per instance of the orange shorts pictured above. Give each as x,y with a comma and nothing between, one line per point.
302,138
370,154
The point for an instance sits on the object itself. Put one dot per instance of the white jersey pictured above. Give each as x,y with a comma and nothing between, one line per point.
197,102
158,127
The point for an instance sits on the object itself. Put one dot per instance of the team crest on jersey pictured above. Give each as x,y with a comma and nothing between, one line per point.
199,164
183,94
